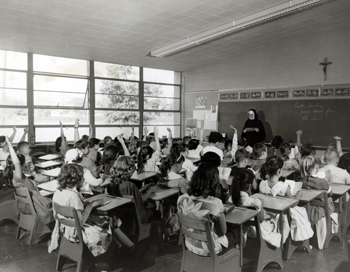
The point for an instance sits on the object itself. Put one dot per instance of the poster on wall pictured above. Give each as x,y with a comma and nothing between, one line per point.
191,127
214,113
201,102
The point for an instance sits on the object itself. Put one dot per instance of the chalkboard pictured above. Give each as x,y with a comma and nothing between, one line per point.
319,119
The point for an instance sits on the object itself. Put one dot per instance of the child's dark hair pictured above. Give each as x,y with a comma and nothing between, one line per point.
125,167
211,158
240,155
241,182
85,138
271,166
71,175
142,157
205,182
172,159
21,145
117,141
81,144
193,144
178,148
277,141
283,149
186,140
110,153
10,167
344,162
215,137
106,139
164,142
306,149
144,144
93,142
2,139
58,144
228,143
242,142
258,150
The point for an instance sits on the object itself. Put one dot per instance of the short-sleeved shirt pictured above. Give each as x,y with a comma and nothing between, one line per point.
339,175
151,164
195,153
213,149
279,188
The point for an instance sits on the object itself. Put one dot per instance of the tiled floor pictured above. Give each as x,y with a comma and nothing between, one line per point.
17,257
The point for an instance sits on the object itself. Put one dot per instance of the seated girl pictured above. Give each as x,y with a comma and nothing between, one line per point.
289,163
182,151
195,148
122,170
271,172
309,169
147,158
94,154
169,170
87,162
202,200
14,172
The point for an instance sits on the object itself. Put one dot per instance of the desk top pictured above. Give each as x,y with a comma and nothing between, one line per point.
339,189
240,215
52,172
50,157
193,159
276,204
162,193
48,164
142,176
50,186
305,195
115,201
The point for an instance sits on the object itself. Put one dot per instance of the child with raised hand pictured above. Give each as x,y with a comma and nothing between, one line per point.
215,138
147,157
289,163
133,143
169,145
333,146
61,144
169,170
182,151
94,154
338,175
4,149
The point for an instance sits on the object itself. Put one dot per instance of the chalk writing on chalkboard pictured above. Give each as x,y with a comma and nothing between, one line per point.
245,95
298,93
282,94
312,93
312,111
327,92
270,94
342,92
256,95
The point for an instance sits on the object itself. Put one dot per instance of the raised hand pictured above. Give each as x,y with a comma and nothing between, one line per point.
145,130
155,131
168,129
299,132
232,127
14,128
26,130
337,138
76,123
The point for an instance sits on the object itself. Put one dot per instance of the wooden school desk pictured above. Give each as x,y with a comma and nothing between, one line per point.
339,192
161,194
52,173
48,164
239,216
50,186
50,157
142,176
113,201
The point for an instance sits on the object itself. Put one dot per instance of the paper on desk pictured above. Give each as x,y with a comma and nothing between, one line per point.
295,187
224,172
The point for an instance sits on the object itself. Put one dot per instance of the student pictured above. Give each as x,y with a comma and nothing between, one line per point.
147,158
4,149
182,151
243,161
275,146
97,238
14,172
186,140
259,156
215,138
94,154
87,162
168,143
194,149
271,172
309,169
333,146
203,196
107,141
61,144
123,169
133,148
344,162
289,163
169,170
339,175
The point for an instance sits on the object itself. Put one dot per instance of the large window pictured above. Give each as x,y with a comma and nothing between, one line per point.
58,90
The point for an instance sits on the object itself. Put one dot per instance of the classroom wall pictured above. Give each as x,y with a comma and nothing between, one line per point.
288,63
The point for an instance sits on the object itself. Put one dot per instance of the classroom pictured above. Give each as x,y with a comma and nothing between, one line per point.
187,135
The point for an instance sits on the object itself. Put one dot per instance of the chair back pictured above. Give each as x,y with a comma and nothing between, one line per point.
22,195
70,218
201,230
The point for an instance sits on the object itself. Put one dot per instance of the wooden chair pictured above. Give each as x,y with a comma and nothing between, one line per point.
259,251
76,251
329,236
8,210
229,261
29,222
147,234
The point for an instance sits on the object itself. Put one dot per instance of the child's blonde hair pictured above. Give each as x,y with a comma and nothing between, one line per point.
307,164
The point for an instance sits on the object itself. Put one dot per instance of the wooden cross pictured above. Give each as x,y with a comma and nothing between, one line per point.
325,64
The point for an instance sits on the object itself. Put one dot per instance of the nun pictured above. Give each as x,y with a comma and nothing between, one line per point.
253,131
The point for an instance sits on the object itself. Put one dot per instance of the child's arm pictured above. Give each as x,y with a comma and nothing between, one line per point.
63,142
25,132
299,132
76,131
90,131
201,137
6,146
234,142
170,139
146,195
145,132
15,160
338,143
156,138
121,141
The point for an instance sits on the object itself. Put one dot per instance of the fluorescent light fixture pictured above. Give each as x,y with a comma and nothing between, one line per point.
235,26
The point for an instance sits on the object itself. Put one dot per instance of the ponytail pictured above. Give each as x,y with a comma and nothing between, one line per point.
10,167
241,182
271,166
307,164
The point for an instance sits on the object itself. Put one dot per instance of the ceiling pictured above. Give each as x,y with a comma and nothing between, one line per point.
125,31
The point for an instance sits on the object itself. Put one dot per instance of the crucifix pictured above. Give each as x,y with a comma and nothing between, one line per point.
325,63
